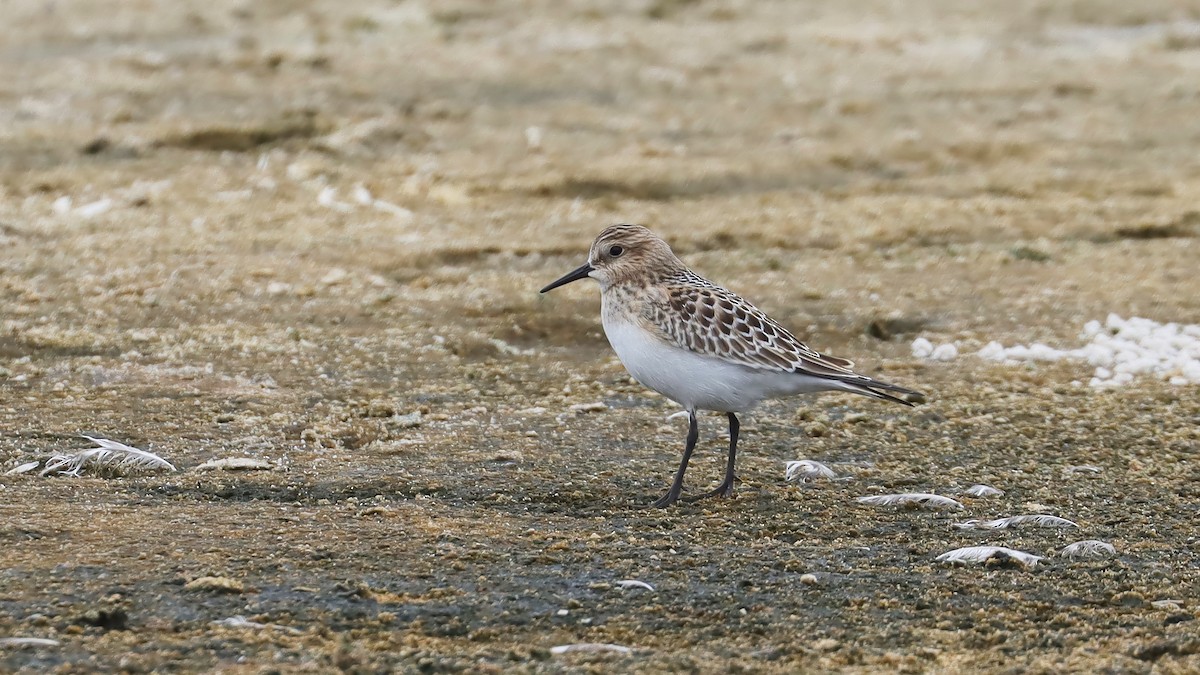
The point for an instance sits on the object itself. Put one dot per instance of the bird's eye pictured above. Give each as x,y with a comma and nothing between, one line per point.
615,251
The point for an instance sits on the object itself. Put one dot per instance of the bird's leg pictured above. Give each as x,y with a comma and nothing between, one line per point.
672,495
725,489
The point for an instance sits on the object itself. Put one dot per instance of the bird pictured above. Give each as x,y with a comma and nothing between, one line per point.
701,345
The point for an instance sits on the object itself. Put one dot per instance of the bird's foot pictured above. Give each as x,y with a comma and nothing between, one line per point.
666,500
724,490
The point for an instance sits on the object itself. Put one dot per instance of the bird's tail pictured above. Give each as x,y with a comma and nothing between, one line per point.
876,389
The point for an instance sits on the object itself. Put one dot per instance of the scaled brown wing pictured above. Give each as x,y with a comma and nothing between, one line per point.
735,330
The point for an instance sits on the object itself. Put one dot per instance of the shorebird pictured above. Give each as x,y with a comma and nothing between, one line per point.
700,345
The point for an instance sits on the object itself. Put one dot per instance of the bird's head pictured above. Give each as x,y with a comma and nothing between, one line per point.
623,254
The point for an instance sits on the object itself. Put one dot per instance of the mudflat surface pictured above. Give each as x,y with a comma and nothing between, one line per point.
313,234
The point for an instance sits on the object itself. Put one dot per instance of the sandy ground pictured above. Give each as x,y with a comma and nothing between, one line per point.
313,234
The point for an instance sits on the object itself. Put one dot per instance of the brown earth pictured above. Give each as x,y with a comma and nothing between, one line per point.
192,259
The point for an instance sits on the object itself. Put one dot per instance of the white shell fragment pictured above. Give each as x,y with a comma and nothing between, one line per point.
1089,548
634,583
1082,468
973,555
111,457
914,498
590,647
236,464
510,350
1038,519
93,209
581,408
399,212
984,491
805,470
239,621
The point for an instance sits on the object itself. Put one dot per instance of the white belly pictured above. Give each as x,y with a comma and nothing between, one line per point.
696,381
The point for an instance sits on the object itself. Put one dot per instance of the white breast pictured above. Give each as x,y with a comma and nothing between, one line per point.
696,381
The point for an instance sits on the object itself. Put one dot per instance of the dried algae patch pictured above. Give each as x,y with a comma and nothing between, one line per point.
298,125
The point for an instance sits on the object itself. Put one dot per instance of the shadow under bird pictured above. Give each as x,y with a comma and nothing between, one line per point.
700,345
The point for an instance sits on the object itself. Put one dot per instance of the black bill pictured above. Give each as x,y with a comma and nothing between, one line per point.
579,273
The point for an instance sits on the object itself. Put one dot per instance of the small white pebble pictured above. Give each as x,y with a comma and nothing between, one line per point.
362,195
808,579
328,198
922,348
335,276
533,138
946,352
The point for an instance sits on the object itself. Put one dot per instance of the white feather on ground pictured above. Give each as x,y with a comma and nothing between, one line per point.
1038,519
911,498
634,583
236,464
28,642
1089,548
984,491
590,647
24,468
1169,604
239,621
806,470
974,555
111,458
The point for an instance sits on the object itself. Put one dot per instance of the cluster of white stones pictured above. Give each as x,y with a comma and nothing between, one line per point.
924,349
1119,349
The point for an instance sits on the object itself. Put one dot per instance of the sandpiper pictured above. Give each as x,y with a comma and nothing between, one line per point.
700,345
